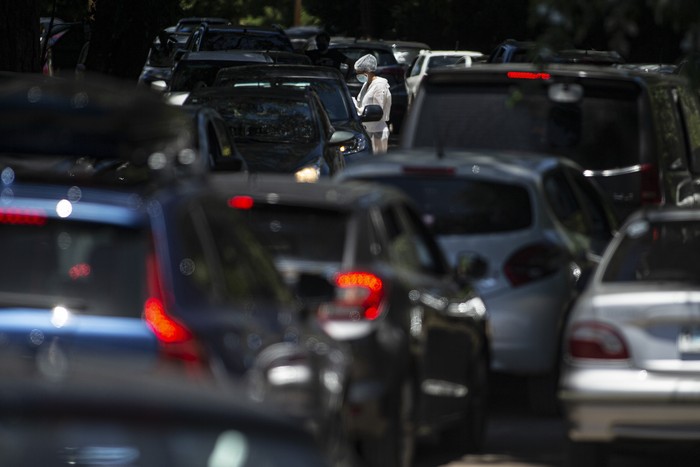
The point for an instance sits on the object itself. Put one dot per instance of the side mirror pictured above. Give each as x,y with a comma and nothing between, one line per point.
470,266
372,113
340,137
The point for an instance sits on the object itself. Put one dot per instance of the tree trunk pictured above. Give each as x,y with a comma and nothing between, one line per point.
19,36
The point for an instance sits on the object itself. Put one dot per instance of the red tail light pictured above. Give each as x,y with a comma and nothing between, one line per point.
528,75
533,262
359,296
650,185
176,340
596,341
240,202
22,216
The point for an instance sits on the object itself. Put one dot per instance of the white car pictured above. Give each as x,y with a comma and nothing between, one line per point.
631,366
428,59
531,228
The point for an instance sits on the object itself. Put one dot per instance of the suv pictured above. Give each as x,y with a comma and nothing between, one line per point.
634,132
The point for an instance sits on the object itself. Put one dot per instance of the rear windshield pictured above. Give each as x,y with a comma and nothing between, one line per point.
299,232
600,132
458,206
657,252
245,41
94,267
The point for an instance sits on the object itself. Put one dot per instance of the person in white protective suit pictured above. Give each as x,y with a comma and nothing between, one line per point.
375,90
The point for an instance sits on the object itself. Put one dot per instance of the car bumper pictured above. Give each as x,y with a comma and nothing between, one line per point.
605,405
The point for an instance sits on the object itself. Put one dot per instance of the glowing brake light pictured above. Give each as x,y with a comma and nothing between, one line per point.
22,216
166,328
240,202
528,75
359,296
600,341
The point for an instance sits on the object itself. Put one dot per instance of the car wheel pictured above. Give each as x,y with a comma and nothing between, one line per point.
586,454
395,447
470,433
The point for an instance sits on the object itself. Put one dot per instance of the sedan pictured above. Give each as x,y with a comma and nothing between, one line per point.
417,331
632,347
532,226
279,130
331,88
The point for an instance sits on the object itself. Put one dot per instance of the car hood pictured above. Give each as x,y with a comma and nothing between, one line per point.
284,158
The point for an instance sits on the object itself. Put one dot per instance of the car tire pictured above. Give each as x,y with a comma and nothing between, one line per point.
396,446
586,454
469,435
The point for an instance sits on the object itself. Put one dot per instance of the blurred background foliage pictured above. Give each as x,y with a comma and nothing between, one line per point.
641,30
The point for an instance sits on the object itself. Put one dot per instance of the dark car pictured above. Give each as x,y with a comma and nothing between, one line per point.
330,87
634,132
160,59
514,51
387,67
418,335
117,250
279,129
101,417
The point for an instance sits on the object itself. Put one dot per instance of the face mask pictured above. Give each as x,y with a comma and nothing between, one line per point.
362,78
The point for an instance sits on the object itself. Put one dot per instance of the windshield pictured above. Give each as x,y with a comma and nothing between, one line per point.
459,206
600,132
657,252
269,120
244,41
331,93
99,267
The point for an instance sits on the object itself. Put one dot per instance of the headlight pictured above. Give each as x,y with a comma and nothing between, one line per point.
308,174
357,144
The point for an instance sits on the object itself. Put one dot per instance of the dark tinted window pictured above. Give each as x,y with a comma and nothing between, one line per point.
601,132
651,252
269,120
101,267
437,61
458,206
300,232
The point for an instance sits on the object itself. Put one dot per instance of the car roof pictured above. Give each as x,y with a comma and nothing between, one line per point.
471,53
351,42
245,29
486,163
500,71
327,194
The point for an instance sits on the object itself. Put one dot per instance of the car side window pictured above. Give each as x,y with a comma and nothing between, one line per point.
673,148
417,66
427,249
401,249
564,203
598,215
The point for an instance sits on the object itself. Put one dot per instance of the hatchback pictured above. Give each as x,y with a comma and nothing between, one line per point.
533,224
632,346
633,132
417,331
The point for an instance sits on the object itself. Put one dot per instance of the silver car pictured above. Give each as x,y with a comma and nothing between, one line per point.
532,224
631,367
